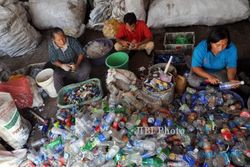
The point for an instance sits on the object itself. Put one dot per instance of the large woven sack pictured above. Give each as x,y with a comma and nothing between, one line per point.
66,14
17,36
13,128
163,13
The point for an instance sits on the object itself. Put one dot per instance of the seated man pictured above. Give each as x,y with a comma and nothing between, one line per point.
214,60
134,34
67,55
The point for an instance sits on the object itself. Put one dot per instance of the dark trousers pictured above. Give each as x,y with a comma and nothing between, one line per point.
62,78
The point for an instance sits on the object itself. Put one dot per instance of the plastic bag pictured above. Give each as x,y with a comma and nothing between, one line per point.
17,36
101,13
7,2
19,88
66,14
163,13
119,9
110,28
37,98
13,128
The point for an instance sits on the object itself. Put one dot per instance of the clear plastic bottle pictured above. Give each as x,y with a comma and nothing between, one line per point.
178,164
110,118
65,134
230,85
110,163
39,142
112,152
83,124
148,145
130,159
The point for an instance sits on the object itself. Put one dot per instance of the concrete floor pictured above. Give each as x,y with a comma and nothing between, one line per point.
240,35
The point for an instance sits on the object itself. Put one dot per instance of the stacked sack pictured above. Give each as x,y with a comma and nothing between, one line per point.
17,36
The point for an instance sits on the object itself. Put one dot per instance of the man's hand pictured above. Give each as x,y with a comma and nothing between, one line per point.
213,80
65,67
125,44
73,67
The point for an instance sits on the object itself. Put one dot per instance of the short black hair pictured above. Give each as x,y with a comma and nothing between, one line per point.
55,31
129,18
216,35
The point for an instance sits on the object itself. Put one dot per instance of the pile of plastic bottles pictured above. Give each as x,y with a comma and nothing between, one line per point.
82,93
181,135
154,82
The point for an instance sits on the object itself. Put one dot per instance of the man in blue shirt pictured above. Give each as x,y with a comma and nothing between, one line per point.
214,60
67,55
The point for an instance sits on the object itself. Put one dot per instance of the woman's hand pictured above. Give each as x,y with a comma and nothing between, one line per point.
235,81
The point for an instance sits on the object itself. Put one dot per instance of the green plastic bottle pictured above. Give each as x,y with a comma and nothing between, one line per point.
164,154
154,162
159,160
90,145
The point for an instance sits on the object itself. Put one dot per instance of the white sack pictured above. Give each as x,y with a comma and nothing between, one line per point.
13,128
119,9
17,36
12,158
136,6
7,2
101,13
66,14
163,13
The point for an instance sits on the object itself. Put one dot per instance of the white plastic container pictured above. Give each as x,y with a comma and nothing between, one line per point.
46,81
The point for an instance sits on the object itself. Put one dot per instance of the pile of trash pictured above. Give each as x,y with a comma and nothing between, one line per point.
98,48
83,93
126,130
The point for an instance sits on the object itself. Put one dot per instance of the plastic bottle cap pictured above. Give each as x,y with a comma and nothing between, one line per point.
196,150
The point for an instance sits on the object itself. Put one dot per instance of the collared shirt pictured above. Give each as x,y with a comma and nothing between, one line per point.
140,33
204,58
68,54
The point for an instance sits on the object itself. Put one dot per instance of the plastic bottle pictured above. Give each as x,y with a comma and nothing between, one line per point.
75,146
110,118
148,145
148,154
104,136
237,157
153,162
164,154
38,142
130,159
208,151
230,85
57,131
83,124
112,152
178,164
110,163
191,157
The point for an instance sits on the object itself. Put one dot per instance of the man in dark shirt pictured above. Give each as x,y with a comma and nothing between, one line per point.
67,55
